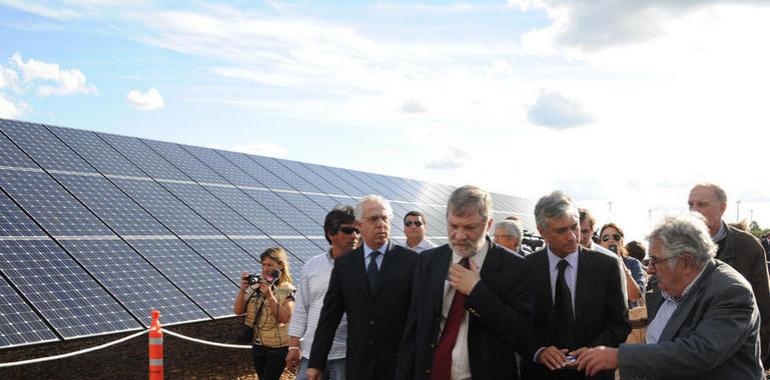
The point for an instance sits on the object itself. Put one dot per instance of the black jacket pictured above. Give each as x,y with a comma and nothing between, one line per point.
601,315
500,310
376,319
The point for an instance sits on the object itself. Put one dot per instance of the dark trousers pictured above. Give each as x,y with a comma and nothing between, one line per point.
269,362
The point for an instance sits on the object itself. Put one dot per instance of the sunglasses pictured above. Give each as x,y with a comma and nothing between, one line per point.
415,223
615,237
349,230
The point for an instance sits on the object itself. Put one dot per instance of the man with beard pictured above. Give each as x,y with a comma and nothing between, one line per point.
473,301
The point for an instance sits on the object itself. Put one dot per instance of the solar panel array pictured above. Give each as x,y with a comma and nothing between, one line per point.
96,229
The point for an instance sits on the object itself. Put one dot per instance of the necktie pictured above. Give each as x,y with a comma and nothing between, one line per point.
564,315
442,359
372,270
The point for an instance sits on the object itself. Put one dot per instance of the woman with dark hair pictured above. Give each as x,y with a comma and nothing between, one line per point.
611,237
268,304
636,250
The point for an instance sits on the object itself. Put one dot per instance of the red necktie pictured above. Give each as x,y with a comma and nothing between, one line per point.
442,359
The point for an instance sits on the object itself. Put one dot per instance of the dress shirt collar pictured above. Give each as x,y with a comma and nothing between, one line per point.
553,260
382,249
721,234
478,258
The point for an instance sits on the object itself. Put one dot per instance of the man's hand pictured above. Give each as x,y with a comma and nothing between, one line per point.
576,354
595,360
292,360
552,357
314,374
464,279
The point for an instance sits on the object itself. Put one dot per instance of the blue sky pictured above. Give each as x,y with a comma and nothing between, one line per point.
629,102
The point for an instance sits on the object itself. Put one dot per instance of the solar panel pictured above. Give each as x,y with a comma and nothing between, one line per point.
296,182
55,209
124,225
230,257
11,156
164,206
196,277
69,299
18,322
249,208
133,281
348,187
255,170
13,222
45,148
218,163
185,162
113,206
279,206
324,184
212,209
303,249
143,157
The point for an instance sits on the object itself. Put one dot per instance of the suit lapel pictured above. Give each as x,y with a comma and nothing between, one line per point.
582,285
359,265
438,274
683,310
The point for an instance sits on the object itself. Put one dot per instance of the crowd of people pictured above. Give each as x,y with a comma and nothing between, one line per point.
585,305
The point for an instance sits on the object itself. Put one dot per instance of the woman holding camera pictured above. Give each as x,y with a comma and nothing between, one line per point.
268,301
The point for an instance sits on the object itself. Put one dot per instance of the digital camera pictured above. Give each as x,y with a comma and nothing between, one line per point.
254,278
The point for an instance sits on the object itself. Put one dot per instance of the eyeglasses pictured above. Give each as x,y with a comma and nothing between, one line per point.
655,261
349,230
415,223
615,237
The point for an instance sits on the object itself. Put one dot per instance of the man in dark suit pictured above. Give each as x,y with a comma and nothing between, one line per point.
739,249
373,286
705,321
465,322
579,302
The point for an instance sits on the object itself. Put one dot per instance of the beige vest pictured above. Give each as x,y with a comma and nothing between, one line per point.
267,331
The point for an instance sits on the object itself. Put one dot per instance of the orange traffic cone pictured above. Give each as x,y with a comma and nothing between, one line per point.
156,348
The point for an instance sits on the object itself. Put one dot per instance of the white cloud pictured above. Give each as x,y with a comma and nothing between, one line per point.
148,101
269,148
8,109
413,106
597,24
67,82
8,78
554,110
453,159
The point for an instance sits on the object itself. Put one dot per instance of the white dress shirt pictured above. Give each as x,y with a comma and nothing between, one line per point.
422,245
461,365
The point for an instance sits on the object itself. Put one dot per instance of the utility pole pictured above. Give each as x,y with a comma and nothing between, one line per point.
737,211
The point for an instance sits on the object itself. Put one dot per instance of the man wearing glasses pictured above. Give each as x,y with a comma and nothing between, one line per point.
705,321
372,286
341,232
739,249
414,228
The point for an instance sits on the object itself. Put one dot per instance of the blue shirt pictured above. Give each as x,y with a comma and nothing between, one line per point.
367,255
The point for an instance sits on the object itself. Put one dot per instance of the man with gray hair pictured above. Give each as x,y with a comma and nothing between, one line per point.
508,234
705,320
579,301
737,248
372,285
473,302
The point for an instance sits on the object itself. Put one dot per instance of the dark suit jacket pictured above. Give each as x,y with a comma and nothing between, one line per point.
376,319
743,252
601,315
500,309
712,334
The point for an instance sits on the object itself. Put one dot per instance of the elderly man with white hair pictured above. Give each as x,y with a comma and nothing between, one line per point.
508,233
705,321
